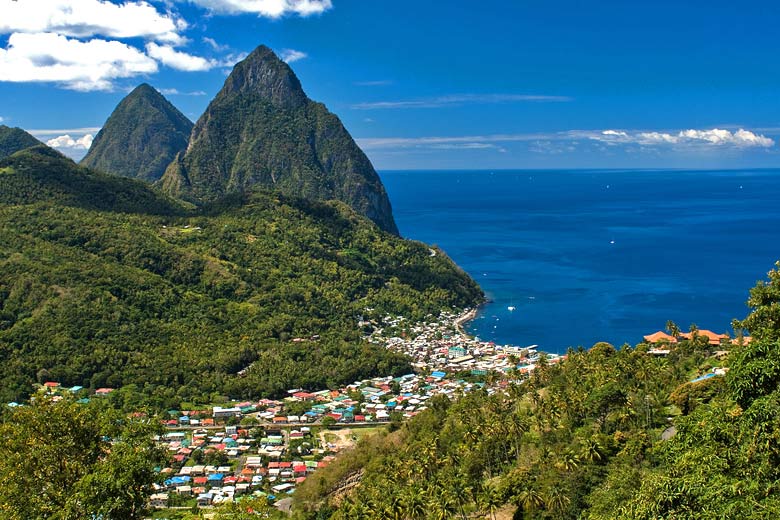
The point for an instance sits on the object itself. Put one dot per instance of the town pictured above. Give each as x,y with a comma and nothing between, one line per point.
266,447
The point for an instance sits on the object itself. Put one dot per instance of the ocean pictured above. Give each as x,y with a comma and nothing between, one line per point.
597,255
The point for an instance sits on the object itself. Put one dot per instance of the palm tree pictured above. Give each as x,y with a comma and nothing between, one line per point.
529,499
490,501
591,450
557,501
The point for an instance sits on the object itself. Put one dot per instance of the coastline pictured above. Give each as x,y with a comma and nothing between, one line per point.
464,318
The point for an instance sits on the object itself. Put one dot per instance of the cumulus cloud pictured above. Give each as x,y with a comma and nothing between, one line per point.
267,8
291,55
685,138
86,18
179,60
67,142
78,65
458,100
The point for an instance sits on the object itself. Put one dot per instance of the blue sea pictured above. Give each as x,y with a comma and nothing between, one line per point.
597,255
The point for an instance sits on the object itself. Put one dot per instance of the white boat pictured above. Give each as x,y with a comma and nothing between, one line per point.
510,308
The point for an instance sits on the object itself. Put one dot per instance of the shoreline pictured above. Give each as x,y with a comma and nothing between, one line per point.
463,319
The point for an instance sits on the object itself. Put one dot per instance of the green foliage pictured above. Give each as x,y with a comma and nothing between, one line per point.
177,306
41,174
262,130
583,439
13,140
63,460
141,137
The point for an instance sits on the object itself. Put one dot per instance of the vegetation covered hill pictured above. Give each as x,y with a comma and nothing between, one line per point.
606,434
178,303
41,174
262,130
13,140
141,137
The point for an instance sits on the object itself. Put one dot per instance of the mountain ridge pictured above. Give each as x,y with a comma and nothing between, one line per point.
262,130
141,136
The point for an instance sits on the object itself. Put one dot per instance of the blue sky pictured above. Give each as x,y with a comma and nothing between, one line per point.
423,84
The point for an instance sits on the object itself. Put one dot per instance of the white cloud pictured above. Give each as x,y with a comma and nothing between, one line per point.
175,92
267,8
685,138
39,132
459,100
66,141
572,140
178,60
291,55
86,18
214,45
376,83
472,141
1,119
78,65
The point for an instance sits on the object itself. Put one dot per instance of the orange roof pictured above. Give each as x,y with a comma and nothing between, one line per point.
656,337
712,337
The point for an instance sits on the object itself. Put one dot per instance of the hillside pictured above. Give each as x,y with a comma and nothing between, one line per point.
141,137
178,304
41,174
262,130
605,434
13,140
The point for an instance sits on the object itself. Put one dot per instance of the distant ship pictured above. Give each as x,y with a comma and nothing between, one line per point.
510,308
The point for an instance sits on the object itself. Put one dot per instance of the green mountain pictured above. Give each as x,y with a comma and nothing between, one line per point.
141,137
13,140
262,130
41,174
104,282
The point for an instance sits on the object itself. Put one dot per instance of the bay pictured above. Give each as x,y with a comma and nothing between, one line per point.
597,255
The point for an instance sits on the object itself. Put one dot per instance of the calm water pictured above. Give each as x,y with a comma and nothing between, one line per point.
586,256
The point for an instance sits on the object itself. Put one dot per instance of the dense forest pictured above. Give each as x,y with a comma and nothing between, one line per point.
608,433
106,282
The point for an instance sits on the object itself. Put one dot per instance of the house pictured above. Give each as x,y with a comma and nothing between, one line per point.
158,500
204,499
220,412
712,338
657,337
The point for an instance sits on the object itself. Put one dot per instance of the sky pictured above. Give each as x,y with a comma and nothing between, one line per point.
428,84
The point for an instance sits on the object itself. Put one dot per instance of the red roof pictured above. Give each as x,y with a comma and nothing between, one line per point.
200,480
51,384
285,465
299,469
713,338
655,337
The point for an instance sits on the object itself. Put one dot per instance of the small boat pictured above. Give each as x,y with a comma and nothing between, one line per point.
510,308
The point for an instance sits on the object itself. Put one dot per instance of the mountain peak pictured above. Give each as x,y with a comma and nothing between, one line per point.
13,140
264,74
141,137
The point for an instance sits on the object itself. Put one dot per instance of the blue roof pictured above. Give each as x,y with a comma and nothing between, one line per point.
75,389
176,481
216,477
439,375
